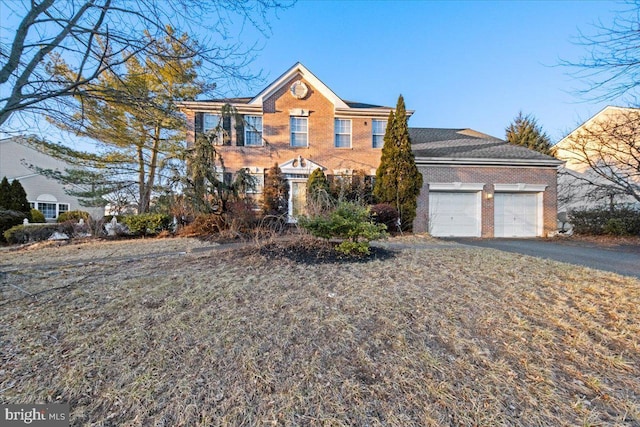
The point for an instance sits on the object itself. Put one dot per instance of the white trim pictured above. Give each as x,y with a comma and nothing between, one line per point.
456,186
291,132
450,161
335,133
299,166
47,198
520,187
308,76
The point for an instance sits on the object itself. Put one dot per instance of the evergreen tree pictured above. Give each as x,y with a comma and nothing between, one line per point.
275,193
19,202
318,194
5,194
398,180
525,131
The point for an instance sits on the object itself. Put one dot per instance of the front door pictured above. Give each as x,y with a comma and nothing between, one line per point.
297,198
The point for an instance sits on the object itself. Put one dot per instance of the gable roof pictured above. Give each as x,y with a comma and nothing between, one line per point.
467,146
606,110
287,76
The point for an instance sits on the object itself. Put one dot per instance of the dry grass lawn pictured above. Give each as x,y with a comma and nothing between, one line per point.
432,335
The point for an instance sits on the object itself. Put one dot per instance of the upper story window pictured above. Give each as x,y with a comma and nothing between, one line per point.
343,133
299,132
378,129
218,127
253,130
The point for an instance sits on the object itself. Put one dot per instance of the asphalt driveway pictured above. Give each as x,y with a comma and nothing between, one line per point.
621,259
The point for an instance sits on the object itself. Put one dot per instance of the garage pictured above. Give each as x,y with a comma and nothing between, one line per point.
454,214
517,214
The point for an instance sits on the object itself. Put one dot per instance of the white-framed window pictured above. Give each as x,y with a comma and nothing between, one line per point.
62,208
49,210
218,127
342,133
32,205
299,131
253,130
378,129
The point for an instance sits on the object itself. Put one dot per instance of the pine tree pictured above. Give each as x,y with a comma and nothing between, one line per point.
398,180
275,193
19,202
5,194
525,131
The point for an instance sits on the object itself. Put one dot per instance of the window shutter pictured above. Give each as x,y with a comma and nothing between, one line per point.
240,131
226,127
199,122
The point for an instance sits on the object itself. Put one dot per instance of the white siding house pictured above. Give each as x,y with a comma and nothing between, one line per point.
45,194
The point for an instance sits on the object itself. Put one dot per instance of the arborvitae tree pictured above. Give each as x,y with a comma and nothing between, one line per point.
275,192
525,131
5,194
19,200
398,180
318,194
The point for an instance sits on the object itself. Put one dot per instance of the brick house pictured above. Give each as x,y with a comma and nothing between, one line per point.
301,124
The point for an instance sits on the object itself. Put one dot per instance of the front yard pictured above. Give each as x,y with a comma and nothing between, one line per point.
182,334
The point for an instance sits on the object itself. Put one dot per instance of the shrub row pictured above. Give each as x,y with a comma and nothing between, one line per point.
621,221
39,232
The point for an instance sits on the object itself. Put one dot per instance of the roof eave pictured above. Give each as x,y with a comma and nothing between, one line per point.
487,161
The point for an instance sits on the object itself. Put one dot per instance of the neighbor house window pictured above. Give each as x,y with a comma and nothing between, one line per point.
299,132
253,130
48,209
378,128
343,133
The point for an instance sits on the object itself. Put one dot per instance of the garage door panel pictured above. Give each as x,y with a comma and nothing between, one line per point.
454,214
516,214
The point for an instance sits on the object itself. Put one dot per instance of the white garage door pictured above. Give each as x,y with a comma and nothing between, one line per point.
516,215
454,214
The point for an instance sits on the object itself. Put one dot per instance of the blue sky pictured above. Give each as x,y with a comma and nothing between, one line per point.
458,64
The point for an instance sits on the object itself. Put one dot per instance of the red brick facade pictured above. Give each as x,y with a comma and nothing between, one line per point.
489,176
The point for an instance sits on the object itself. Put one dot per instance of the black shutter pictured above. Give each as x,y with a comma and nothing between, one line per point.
239,130
199,122
226,127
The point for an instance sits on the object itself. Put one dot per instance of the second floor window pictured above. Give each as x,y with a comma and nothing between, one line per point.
253,130
343,133
299,132
217,127
378,129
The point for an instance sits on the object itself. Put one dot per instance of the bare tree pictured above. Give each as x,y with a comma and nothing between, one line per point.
611,67
100,35
603,157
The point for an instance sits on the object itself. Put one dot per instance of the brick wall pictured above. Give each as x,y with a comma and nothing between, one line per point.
490,175
321,150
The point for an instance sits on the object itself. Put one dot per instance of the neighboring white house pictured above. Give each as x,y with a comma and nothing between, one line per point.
45,194
601,157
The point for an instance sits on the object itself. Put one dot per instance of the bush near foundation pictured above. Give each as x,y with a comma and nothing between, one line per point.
37,217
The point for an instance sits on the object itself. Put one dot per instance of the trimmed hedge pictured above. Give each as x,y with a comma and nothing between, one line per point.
618,222
37,217
73,216
147,224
